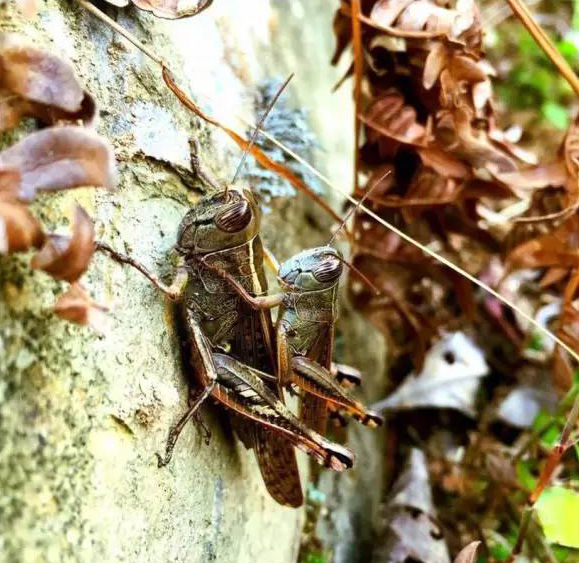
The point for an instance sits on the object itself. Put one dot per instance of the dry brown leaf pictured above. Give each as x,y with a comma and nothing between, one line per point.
523,182
343,33
38,76
19,230
476,146
77,307
437,60
67,258
427,16
385,12
571,150
58,158
388,115
34,83
444,163
559,248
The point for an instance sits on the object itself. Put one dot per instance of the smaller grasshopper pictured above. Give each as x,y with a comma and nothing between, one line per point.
305,332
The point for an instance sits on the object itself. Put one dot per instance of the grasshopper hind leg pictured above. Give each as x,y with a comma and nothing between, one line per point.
175,432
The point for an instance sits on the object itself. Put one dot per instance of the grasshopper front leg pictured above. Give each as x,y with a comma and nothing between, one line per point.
173,291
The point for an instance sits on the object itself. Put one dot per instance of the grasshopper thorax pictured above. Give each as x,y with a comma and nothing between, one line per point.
314,269
226,219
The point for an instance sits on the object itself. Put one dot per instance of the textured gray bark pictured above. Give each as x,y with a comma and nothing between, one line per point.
82,414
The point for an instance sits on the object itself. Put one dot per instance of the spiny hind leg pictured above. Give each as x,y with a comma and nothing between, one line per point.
204,366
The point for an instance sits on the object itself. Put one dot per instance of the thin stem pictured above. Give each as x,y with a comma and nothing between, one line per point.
259,125
358,75
119,29
523,528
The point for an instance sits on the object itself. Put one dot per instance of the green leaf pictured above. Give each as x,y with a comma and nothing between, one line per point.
556,114
575,18
565,555
500,551
536,342
558,511
568,49
315,558
525,475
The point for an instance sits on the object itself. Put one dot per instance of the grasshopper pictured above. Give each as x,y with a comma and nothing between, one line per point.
231,345
305,333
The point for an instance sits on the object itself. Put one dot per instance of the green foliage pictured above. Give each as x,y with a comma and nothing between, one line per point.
525,475
315,558
536,342
549,427
558,511
556,114
499,548
533,82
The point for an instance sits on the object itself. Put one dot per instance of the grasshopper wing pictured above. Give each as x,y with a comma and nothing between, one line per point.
279,468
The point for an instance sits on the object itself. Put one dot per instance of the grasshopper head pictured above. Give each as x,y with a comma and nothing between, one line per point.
312,270
219,221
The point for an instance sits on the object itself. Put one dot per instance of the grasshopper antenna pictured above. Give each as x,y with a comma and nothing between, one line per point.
367,281
356,207
258,126
364,278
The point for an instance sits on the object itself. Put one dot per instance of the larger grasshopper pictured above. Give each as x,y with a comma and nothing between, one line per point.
231,345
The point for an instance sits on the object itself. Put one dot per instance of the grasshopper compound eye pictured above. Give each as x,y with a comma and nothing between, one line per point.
330,269
234,218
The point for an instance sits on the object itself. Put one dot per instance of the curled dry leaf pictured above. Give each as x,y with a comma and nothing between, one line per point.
77,307
57,158
390,116
66,258
34,83
410,531
19,230
170,9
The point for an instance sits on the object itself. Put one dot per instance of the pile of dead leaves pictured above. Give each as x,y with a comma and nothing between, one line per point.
462,186
64,153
